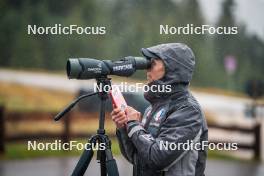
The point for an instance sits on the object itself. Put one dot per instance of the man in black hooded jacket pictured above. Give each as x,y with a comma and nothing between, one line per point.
172,118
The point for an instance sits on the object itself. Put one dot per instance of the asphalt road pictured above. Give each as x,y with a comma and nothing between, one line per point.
64,166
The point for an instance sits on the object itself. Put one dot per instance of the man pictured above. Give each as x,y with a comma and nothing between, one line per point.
173,117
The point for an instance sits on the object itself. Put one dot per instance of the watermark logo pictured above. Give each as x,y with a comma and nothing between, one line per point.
191,145
59,29
190,29
59,145
138,87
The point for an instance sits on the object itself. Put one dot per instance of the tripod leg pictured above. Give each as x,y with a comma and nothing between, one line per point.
83,163
102,162
111,165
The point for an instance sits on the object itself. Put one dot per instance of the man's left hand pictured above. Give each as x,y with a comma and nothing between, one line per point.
132,114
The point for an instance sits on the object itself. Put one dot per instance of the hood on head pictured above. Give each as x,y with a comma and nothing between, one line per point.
178,59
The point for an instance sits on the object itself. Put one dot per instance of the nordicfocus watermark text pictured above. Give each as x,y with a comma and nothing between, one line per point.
190,29
191,145
163,145
59,145
137,87
59,29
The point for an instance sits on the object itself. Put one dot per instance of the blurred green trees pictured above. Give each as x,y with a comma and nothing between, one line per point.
130,25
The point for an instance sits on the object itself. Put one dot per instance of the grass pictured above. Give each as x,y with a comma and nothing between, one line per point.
23,98
16,97
89,126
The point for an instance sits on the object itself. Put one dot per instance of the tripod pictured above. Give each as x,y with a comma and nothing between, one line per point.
105,157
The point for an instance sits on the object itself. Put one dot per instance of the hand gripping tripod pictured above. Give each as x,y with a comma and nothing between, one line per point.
105,157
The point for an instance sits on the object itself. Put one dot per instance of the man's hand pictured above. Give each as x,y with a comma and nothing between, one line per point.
119,117
132,114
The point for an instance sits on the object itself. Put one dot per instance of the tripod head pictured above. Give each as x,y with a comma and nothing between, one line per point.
103,81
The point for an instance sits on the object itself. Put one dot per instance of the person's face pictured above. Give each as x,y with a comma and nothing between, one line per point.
156,71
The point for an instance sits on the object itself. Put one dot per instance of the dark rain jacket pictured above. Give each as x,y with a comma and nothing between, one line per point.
173,117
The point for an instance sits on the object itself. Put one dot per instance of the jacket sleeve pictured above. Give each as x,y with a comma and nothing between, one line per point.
179,127
125,144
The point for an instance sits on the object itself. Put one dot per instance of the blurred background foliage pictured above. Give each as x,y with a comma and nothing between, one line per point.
130,26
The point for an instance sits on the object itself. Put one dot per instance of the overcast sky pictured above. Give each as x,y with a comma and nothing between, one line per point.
251,13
